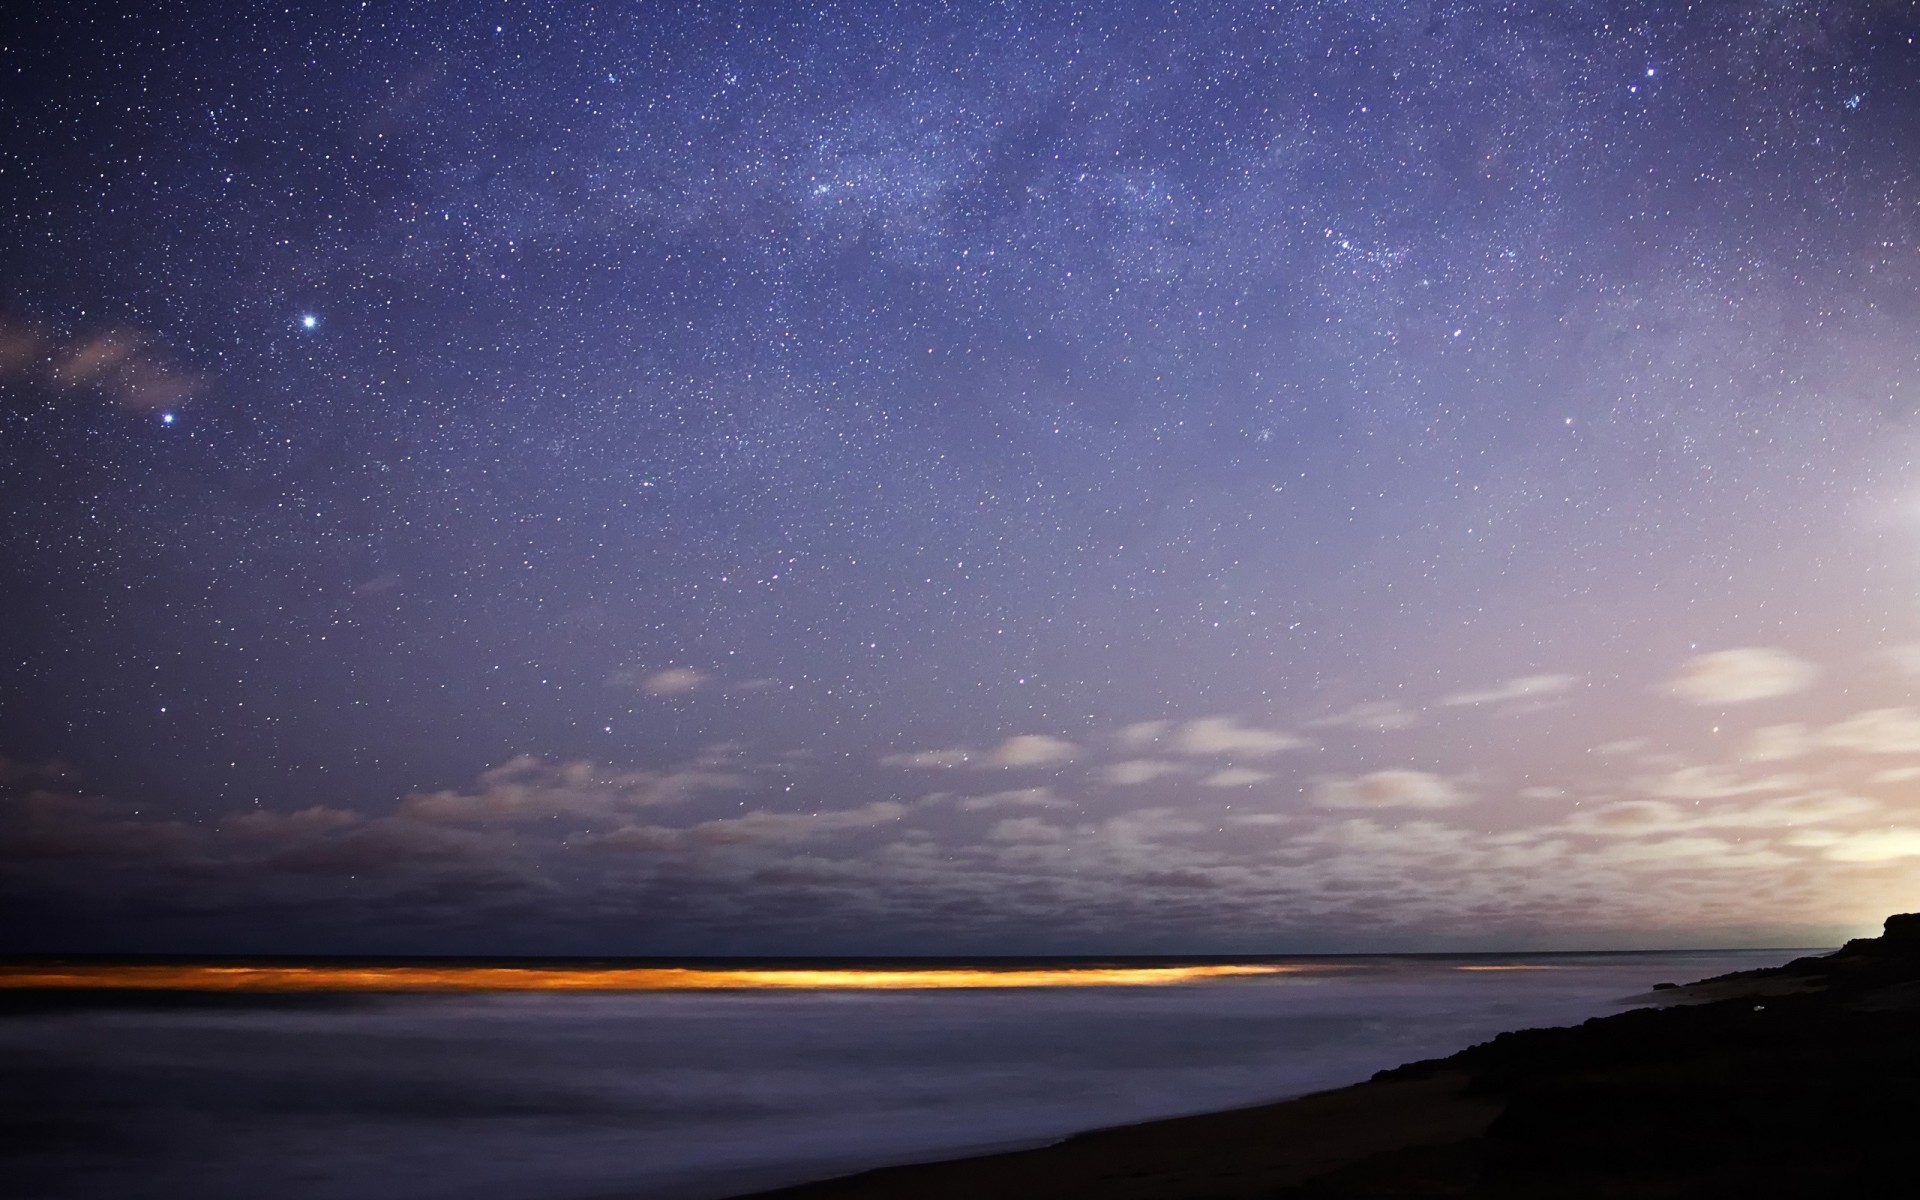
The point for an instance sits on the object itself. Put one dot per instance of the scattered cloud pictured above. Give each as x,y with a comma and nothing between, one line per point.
1715,783
50,773
123,365
1693,853
1877,731
1726,677
1135,771
1388,789
1033,797
1776,743
1525,689
1788,811
528,788
1018,751
1621,747
668,681
929,760
1869,846
1236,777
1627,818
1032,750
1634,818
268,825
1226,737
674,681
1143,733
757,827
1380,716
1025,829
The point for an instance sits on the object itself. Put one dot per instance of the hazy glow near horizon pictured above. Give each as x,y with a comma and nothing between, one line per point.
636,979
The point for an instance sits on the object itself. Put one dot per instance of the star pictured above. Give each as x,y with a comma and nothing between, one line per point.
309,321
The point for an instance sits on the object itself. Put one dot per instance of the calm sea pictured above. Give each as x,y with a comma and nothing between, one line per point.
687,1095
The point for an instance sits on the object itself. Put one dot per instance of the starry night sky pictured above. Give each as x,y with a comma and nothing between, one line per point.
988,477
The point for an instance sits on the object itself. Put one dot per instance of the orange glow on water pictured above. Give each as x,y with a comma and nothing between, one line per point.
610,979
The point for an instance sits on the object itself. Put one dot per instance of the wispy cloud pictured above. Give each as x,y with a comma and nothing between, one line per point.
528,788
1033,797
1225,736
1396,788
1876,731
125,366
1135,771
1380,716
1019,751
1032,750
1742,676
1519,690
1236,777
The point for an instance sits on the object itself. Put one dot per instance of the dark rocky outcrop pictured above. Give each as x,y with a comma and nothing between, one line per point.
1800,1080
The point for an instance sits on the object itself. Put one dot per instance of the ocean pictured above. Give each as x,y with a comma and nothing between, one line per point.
695,1095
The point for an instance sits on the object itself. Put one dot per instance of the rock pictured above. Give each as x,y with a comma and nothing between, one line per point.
1902,931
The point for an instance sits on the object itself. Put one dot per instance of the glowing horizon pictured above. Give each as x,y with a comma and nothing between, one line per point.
629,979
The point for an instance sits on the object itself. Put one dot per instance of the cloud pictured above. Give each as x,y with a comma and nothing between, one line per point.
527,788
1693,853
1025,830
1225,736
1236,777
757,827
1627,818
1621,746
1632,818
1033,797
1032,750
1872,846
1741,676
1513,691
1776,743
1135,771
1143,733
121,364
1021,750
1905,658
1388,789
268,825
1380,716
1788,811
674,681
1876,731
929,760
42,826
52,772
1714,783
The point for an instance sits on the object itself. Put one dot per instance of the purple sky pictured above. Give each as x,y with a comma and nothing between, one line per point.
983,478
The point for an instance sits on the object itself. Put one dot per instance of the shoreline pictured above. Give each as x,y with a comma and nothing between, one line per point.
1739,1085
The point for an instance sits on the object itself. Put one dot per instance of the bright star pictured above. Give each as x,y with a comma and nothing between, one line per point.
166,418
309,321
